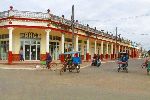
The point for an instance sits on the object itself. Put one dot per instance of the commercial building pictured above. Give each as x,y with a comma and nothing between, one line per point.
38,34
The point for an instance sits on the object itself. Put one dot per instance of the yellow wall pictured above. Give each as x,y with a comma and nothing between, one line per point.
16,39
3,31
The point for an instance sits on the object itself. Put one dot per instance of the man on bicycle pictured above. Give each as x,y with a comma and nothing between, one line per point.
124,60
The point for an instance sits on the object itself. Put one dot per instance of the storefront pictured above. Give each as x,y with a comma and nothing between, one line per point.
4,44
30,43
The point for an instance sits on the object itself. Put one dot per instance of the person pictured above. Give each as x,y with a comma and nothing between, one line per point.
147,62
76,60
69,60
48,60
98,60
124,59
21,54
94,60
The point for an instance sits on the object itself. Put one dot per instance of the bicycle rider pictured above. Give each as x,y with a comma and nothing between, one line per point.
124,59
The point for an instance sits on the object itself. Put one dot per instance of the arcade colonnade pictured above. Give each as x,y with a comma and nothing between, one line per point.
36,43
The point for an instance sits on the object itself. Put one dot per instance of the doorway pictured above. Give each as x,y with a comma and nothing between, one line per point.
31,49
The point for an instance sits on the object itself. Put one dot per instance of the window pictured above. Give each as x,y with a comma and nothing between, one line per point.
85,42
68,40
50,37
54,37
79,41
4,36
38,42
58,38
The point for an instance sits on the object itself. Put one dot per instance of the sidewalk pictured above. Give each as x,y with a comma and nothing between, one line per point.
31,65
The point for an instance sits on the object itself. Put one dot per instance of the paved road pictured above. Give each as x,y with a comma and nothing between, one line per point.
92,83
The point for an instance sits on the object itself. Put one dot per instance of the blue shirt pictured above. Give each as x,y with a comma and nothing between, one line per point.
124,59
76,60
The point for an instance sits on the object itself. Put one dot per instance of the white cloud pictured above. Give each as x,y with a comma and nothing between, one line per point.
132,17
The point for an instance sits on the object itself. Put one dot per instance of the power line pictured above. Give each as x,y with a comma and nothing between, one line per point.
123,18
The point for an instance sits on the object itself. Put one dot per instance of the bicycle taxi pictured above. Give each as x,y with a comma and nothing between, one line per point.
123,61
72,62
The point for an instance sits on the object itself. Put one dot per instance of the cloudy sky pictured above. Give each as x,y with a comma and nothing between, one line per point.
132,17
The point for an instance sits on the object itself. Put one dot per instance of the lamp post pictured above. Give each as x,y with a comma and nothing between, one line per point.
72,26
117,35
119,41
116,43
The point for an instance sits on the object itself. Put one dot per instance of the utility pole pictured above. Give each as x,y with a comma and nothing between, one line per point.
116,42
72,25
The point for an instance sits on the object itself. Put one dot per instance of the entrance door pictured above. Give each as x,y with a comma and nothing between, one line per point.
38,52
31,49
33,52
54,48
27,52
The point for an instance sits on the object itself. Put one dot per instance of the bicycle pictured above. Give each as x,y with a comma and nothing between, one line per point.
43,65
64,68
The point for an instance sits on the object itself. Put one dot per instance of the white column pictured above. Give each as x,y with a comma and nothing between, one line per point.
10,37
47,40
88,45
77,45
62,42
107,48
95,46
112,48
102,47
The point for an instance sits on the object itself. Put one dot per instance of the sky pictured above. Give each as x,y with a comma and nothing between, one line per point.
131,17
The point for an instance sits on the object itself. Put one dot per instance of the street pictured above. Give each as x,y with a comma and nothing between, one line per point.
92,83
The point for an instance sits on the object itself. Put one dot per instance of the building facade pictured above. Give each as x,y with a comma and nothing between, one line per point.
38,34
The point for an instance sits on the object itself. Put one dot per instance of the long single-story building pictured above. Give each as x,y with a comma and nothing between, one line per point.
38,34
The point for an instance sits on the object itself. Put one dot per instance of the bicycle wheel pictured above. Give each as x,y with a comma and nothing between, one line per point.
118,69
147,71
126,70
78,68
63,69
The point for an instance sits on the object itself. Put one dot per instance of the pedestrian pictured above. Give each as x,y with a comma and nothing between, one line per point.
21,54
148,62
48,60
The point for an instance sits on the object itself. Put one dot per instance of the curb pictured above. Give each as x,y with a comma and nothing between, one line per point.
7,68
